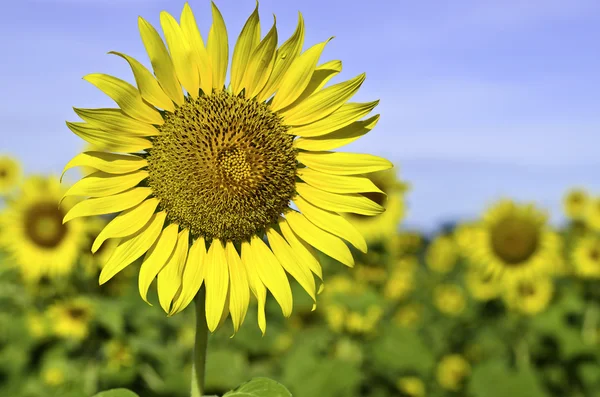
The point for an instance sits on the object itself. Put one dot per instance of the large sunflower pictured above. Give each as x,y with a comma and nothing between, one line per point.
203,176
31,230
513,242
10,172
390,195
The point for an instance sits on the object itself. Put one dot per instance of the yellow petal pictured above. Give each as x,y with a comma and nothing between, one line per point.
192,276
284,57
108,140
287,257
161,61
332,223
126,96
271,274
181,54
108,205
345,115
320,239
218,48
127,222
339,163
216,279
261,64
337,183
239,290
297,77
256,285
107,162
148,86
116,122
169,278
192,34
337,138
245,45
102,184
156,258
322,74
133,247
322,103
303,252
354,203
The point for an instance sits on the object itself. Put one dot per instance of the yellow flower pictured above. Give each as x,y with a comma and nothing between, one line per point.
216,168
391,197
412,386
36,325
71,319
31,230
399,285
530,296
586,257
53,376
118,354
359,323
575,203
336,317
442,254
482,286
10,173
452,370
592,214
449,299
409,315
514,242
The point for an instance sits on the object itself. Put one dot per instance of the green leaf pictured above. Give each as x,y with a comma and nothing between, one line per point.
116,393
260,387
494,379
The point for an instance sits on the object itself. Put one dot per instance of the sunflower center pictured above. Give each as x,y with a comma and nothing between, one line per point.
526,289
77,313
3,173
223,166
595,255
514,240
43,224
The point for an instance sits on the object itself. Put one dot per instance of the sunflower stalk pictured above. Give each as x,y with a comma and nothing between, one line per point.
201,343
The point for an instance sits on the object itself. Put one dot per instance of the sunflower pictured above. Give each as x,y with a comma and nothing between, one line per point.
449,299
452,370
199,179
10,172
441,255
586,257
575,203
31,230
592,214
390,195
530,296
482,286
513,242
71,319
412,386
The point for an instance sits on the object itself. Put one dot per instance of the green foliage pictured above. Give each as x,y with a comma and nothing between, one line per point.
260,387
117,393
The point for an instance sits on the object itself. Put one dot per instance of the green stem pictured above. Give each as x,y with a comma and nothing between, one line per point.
199,363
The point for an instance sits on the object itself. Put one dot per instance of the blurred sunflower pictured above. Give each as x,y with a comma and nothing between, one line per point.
482,286
10,173
218,167
592,214
409,315
399,284
586,257
449,299
452,370
513,242
390,195
92,261
530,296
441,255
575,203
412,386
118,355
31,230
71,319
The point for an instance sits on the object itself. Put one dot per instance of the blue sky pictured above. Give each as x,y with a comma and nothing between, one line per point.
479,99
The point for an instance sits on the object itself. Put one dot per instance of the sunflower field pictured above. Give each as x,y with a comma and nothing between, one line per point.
210,240
501,306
